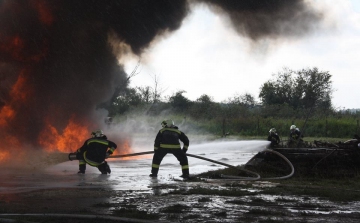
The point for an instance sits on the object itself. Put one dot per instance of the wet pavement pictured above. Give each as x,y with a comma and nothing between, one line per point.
168,197
131,173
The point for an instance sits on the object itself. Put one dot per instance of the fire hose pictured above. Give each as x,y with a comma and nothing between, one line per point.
227,177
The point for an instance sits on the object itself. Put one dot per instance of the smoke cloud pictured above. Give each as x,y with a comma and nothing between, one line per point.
272,19
58,62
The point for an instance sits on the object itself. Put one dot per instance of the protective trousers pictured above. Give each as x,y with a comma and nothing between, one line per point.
82,163
178,153
103,167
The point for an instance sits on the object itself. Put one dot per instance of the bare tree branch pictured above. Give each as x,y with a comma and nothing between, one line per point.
134,72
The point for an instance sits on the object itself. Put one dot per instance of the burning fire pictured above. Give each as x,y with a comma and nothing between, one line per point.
69,140
4,155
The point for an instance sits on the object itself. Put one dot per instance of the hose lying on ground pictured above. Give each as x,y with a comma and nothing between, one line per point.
228,165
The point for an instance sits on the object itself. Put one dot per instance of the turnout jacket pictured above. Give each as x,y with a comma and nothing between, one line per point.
95,149
274,138
169,138
295,135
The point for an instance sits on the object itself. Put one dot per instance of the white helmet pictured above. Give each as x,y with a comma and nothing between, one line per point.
97,133
272,130
167,123
292,127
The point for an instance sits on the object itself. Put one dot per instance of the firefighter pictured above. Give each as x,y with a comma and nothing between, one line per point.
94,152
168,141
295,137
273,138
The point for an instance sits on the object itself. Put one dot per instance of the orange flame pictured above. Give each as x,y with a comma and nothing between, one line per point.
4,155
6,113
17,94
69,140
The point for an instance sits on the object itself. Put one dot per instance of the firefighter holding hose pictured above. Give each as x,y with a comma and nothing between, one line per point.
168,141
295,137
273,137
94,152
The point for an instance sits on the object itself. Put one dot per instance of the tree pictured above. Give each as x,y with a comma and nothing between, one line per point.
246,99
179,102
125,100
146,94
306,88
204,107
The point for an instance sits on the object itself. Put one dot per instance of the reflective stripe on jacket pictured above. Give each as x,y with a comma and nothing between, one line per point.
169,138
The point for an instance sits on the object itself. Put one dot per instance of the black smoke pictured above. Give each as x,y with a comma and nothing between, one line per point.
61,50
273,19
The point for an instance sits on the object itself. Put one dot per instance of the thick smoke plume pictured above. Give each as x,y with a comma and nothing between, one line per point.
57,63
273,19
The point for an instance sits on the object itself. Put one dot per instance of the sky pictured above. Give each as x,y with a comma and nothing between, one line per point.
207,56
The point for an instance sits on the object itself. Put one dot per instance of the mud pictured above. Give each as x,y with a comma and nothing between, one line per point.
129,192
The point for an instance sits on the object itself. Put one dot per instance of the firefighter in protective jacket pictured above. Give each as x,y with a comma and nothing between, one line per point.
295,137
94,152
273,137
168,141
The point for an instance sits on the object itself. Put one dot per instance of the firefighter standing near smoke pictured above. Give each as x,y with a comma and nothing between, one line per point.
273,138
168,141
94,152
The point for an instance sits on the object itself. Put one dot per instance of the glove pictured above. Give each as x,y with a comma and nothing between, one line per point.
184,150
107,155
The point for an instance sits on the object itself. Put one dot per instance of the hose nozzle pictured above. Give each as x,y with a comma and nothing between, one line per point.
72,156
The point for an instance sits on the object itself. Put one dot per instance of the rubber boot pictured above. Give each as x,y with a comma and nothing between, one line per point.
103,168
82,168
185,174
154,172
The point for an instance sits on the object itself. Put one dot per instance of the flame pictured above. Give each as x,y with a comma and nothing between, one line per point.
124,148
4,155
18,94
69,140
9,142
18,91
6,113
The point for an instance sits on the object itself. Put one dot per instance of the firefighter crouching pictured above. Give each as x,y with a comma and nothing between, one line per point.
94,152
168,141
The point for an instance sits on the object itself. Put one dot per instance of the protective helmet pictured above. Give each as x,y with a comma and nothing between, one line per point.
167,123
97,133
272,130
292,127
